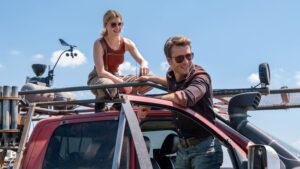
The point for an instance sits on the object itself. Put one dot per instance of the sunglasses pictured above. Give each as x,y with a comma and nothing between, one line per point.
180,58
115,24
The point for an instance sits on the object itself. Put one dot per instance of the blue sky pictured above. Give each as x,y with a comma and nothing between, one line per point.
229,38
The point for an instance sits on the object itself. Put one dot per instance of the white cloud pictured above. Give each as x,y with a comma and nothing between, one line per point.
1,66
253,78
38,56
15,52
127,68
297,77
164,66
68,61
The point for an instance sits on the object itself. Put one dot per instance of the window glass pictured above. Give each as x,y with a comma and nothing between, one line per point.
227,162
156,139
84,145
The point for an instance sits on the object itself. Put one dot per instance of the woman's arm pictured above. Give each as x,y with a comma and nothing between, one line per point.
99,63
131,47
155,79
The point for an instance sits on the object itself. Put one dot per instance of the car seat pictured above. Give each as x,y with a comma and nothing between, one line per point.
154,163
166,157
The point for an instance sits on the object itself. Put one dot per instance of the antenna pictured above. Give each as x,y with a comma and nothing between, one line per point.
71,48
64,43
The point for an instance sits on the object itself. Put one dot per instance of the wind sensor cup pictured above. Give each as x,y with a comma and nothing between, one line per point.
39,69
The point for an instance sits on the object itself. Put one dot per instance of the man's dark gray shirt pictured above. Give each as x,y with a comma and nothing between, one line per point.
195,92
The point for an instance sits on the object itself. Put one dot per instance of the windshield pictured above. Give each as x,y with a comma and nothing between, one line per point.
83,145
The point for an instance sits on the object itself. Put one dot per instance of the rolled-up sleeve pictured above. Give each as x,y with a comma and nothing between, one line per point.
195,91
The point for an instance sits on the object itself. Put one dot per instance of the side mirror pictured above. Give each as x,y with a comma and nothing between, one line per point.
263,157
264,74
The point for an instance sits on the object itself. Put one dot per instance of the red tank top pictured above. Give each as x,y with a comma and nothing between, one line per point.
112,58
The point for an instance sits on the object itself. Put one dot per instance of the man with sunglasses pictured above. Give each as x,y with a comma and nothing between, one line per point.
189,85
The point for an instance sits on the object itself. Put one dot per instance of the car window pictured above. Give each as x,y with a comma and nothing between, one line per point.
156,139
227,162
84,145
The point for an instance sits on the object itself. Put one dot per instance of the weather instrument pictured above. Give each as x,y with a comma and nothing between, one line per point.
39,69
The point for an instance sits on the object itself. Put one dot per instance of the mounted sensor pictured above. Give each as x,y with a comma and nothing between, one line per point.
264,74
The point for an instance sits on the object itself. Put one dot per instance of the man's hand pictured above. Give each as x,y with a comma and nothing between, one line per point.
142,112
144,78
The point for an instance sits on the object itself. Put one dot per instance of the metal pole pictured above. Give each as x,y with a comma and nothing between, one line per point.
5,119
284,90
91,87
14,113
24,136
226,92
119,140
1,114
14,108
1,104
74,102
137,136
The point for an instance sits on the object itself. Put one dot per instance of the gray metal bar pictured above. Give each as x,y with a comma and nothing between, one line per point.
222,92
1,115
1,105
14,112
274,107
265,90
39,110
80,88
137,136
24,136
119,140
5,117
217,92
14,108
77,102
285,90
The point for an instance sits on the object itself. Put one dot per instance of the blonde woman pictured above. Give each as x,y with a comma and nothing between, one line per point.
109,52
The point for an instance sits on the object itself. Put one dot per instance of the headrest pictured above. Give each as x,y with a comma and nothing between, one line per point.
169,145
148,143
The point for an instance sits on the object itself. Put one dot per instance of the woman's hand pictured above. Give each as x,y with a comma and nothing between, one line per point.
126,90
144,70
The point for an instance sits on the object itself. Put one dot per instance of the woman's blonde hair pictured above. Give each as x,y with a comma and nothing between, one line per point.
109,15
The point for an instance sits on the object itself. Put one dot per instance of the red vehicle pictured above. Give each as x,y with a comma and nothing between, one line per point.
116,139
141,134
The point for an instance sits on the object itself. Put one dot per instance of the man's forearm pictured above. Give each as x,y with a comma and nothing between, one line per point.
169,97
176,97
159,80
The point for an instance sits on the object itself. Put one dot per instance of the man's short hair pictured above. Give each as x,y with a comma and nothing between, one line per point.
175,41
